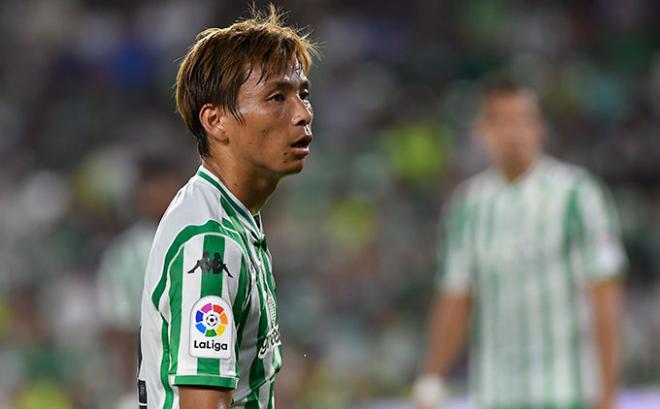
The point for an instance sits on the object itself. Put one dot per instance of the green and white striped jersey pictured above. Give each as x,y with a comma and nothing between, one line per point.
527,251
209,305
121,275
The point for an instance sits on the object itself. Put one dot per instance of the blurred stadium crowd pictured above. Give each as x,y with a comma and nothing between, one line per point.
87,96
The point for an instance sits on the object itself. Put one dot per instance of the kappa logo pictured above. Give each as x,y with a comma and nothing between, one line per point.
207,265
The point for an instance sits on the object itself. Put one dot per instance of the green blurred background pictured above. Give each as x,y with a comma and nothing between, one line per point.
86,105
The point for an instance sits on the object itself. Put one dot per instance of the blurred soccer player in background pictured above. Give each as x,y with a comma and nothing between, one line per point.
121,271
209,331
532,258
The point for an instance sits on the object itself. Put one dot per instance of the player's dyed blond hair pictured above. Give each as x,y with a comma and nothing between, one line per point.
222,59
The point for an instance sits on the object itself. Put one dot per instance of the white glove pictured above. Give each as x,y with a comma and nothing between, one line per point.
429,392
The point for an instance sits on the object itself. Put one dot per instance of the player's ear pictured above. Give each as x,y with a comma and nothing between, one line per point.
213,119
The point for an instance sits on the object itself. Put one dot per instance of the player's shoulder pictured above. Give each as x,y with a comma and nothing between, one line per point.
469,188
193,204
566,175
196,209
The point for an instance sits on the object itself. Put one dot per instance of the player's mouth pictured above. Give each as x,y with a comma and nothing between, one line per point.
301,146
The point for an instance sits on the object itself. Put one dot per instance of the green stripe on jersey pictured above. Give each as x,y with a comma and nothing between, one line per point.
211,285
240,311
206,380
164,369
176,278
257,370
573,231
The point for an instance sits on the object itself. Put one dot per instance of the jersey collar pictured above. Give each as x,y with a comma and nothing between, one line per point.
233,206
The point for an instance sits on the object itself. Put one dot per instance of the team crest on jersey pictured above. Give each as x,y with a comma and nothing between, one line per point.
211,328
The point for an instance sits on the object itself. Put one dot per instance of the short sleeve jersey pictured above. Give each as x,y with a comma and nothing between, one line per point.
527,252
209,314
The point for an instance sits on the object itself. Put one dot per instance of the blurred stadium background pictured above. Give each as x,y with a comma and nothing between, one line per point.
86,92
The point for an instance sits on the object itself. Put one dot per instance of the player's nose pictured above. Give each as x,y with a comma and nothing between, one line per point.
303,113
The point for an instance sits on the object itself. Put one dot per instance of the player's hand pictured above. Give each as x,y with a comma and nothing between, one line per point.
429,392
423,406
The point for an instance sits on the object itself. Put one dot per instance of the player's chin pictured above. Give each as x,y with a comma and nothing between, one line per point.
293,167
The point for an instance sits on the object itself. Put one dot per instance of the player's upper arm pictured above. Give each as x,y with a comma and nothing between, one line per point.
599,244
195,397
208,277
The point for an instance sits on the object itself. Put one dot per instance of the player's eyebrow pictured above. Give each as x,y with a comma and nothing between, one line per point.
288,85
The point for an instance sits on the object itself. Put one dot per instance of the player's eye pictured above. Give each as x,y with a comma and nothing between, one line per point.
277,98
304,95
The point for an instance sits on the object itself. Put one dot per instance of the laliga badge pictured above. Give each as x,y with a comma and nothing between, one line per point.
211,328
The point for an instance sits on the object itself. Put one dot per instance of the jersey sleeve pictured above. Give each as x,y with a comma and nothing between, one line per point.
454,255
600,252
208,285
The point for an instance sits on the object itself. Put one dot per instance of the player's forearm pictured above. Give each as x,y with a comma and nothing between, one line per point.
448,327
606,298
194,397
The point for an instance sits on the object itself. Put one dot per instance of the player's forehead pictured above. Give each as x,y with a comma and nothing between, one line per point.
518,102
261,77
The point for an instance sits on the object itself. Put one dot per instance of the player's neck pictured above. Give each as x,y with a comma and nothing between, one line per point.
250,188
513,172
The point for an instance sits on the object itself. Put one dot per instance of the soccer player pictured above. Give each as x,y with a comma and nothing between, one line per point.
532,257
121,271
209,331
